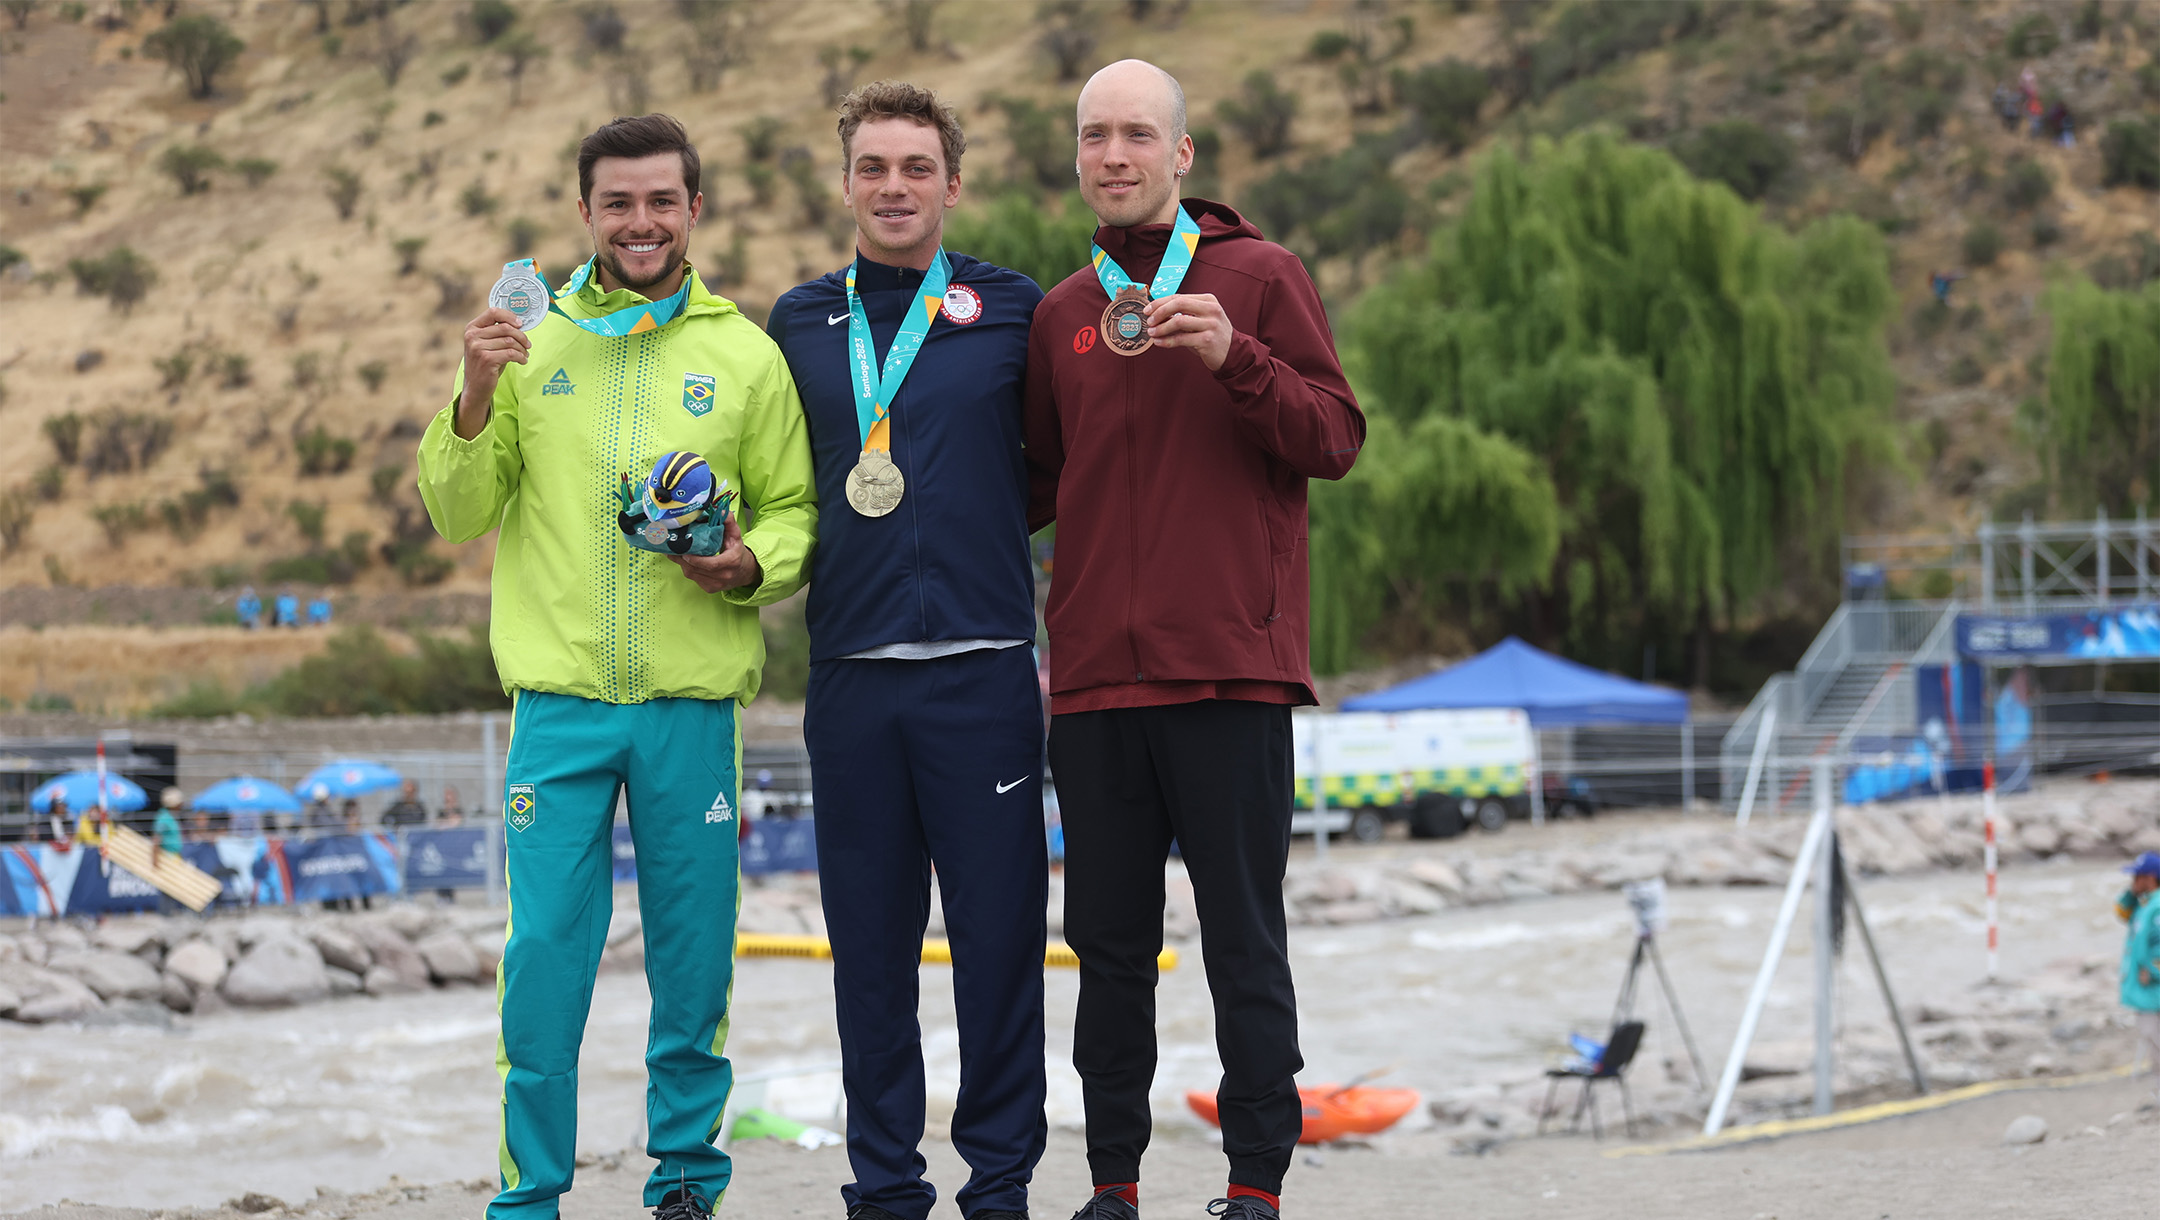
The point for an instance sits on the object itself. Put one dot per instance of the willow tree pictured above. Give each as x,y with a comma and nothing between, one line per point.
2101,423
1687,381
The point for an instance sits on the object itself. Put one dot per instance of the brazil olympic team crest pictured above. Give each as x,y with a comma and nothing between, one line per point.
962,305
524,807
697,393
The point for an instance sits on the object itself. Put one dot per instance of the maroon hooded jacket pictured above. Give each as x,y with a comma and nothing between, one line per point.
1179,494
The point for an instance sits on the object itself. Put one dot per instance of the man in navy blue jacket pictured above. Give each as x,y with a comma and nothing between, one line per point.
925,714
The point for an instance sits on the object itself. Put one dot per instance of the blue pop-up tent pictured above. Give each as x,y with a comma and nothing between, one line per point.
1556,692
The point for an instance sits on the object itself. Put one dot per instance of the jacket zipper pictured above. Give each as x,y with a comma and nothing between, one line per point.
1132,525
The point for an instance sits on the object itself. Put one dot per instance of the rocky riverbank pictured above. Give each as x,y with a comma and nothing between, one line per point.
66,971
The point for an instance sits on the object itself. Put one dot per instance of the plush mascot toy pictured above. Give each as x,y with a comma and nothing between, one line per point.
680,509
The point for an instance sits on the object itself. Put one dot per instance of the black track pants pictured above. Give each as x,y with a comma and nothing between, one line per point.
1215,776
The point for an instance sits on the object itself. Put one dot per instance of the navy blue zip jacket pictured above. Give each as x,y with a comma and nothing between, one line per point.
951,562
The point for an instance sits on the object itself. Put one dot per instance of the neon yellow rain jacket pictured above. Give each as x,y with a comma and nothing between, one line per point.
577,610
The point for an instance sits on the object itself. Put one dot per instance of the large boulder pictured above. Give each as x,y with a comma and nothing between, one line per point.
382,980
340,948
10,1000
60,936
175,994
391,952
197,963
488,946
47,995
343,982
130,935
449,958
411,922
114,976
277,972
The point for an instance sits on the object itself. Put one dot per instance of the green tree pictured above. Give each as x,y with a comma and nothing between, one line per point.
1693,381
2100,424
1017,230
200,46
1262,113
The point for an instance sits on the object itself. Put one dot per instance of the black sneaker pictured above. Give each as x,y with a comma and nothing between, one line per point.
681,1204
865,1211
1244,1207
999,1215
1107,1205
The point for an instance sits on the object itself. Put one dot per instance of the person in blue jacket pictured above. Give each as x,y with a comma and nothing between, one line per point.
924,720
2141,956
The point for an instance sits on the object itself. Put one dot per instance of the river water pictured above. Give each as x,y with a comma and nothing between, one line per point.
347,1093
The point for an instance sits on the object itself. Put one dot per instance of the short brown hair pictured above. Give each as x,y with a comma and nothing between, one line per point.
637,137
897,99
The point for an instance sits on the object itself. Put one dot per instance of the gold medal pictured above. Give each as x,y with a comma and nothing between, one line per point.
874,487
1124,322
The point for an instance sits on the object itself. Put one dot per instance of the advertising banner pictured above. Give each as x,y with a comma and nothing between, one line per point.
449,859
2124,633
780,845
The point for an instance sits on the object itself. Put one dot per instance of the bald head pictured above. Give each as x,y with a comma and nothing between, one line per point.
1136,82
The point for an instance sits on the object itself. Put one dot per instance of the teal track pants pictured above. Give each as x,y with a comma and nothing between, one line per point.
569,757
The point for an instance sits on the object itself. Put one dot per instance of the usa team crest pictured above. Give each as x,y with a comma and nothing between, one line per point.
524,807
697,393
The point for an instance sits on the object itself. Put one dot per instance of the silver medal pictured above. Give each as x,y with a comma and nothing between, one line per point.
523,294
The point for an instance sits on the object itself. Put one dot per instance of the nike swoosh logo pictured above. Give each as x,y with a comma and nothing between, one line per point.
1003,788
836,319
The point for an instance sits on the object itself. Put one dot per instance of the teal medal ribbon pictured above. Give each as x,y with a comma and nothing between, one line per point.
875,486
635,320
1124,322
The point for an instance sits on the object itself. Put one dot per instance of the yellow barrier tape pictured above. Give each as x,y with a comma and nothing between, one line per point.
934,951
1866,1114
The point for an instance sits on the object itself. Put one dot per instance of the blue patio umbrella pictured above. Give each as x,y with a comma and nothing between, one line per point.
243,793
79,789
351,777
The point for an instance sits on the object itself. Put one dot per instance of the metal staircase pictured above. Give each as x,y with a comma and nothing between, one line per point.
1853,681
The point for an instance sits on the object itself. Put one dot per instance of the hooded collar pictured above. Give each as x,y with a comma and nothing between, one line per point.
1139,249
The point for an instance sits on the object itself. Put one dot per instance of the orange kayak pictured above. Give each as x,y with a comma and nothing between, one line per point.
1331,1112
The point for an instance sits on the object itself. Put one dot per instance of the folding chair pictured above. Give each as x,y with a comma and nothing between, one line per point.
1612,1065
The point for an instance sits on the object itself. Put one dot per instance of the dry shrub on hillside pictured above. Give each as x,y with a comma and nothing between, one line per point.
840,65
16,510
121,276
343,191
393,50
120,441
200,46
408,252
1261,113
454,290
65,432
1068,36
520,51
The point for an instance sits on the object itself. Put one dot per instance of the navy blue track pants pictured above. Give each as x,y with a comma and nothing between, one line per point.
915,764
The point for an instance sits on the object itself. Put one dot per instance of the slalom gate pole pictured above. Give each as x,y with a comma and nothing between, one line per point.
1987,806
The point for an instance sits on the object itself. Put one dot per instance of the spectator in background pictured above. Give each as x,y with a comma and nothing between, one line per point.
288,609
249,608
2065,125
2141,955
408,811
59,814
2029,90
200,825
450,817
165,840
1939,283
318,610
319,816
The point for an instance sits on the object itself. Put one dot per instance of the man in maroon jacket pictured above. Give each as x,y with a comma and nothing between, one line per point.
1181,389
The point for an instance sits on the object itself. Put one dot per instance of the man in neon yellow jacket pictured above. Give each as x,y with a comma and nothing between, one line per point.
628,667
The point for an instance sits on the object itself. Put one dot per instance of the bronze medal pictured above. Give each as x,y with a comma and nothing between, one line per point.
1124,322
875,486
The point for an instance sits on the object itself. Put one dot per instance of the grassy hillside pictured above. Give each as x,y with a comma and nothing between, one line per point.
362,168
